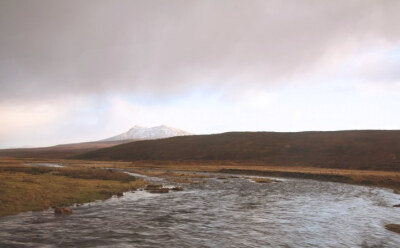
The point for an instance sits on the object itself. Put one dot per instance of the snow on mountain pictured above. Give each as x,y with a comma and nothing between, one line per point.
144,133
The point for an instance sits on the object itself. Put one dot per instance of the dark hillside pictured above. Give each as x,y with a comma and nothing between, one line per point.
378,150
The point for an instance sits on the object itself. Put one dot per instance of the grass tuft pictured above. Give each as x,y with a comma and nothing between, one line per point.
262,180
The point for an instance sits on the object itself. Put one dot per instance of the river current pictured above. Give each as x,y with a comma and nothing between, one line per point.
218,212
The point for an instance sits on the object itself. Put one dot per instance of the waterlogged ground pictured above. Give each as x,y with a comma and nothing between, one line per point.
231,212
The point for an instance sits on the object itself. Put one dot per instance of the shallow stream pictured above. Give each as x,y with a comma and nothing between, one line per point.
231,212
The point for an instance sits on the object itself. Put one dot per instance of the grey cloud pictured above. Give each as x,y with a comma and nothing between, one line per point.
52,47
379,72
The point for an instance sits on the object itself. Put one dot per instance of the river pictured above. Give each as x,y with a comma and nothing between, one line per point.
231,212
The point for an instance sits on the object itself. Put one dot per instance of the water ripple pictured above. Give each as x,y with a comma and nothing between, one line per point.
234,212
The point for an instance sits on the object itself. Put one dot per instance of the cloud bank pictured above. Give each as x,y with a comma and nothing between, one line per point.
87,47
84,70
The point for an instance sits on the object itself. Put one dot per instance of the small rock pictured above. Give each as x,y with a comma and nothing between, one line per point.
396,206
159,190
177,188
60,210
153,186
262,180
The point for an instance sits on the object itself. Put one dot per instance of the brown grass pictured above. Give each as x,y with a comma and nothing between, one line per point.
386,179
166,174
176,177
369,178
37,188
84,173
8,161
393,227
262,180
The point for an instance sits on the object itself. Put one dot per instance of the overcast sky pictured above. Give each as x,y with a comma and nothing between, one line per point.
73,71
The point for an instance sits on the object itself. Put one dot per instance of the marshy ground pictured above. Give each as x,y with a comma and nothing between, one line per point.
29,188
24,187
218,210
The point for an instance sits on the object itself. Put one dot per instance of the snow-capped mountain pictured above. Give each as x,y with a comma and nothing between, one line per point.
144,133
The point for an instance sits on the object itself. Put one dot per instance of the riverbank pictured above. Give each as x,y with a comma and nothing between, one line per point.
33,188
234,208
351,177
384,179
86,181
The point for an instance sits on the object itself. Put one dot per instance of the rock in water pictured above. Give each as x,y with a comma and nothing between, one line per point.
177,188
159,191
59,210
153,186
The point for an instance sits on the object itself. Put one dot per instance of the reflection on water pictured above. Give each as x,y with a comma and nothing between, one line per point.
234,212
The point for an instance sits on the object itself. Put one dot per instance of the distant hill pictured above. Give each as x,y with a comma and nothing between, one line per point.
69,150
144,133
379,150
58,151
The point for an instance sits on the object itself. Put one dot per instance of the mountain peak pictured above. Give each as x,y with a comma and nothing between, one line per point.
143,133
137,127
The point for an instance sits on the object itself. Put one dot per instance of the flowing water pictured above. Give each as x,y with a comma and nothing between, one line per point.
231,212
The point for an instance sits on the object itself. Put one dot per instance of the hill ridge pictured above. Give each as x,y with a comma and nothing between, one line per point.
350,149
